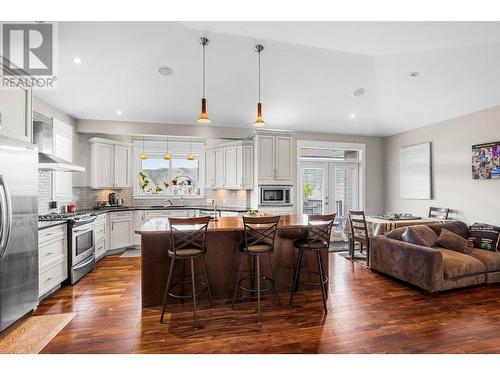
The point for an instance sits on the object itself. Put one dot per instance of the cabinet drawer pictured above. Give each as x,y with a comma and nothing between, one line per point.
100,231
51,234
50,251
121,215
100,249
52,276
100,219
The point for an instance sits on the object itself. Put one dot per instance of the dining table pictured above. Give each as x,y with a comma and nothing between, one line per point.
378,225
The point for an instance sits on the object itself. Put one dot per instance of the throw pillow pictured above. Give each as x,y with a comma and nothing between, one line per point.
452,241
485,236
423,232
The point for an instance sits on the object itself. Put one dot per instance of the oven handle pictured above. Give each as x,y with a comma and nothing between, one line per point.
85,264
83,228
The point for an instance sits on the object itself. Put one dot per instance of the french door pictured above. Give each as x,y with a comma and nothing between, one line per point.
329,187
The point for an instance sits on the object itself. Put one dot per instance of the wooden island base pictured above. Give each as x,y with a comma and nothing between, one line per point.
222,258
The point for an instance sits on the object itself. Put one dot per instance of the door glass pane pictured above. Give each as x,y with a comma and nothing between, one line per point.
313,190
346,192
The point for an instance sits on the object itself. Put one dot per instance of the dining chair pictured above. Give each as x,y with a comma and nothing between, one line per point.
359,233
439,213
319,229
258,240
187,242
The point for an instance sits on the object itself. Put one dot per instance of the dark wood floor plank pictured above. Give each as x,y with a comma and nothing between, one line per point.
369,313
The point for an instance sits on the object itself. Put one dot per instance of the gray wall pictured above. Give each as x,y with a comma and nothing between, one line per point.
374,175
453,186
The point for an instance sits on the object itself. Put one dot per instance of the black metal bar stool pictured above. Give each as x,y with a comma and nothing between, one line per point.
187,241
318,240
259,236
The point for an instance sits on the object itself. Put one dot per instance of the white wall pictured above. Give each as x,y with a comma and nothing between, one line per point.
451,150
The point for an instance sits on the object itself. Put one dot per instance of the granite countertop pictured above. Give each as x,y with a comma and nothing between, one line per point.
49,224
225,224
186,207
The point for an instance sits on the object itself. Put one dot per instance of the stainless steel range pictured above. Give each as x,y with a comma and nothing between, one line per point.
81,242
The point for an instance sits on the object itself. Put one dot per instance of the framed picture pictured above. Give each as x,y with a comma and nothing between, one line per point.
415,171
486,161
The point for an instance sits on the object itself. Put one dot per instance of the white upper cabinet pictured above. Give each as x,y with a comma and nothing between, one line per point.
109,164
219,168
274,157
229,166
267,153
283,158
15,110
210,168
62,183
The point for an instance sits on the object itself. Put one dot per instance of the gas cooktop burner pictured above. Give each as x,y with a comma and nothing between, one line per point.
65,217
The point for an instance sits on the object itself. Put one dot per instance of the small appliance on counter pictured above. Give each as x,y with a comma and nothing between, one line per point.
71,208
114,201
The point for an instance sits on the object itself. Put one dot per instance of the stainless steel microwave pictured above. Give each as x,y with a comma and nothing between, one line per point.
273,195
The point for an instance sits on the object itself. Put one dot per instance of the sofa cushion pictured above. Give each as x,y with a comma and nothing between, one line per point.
485,236
396,234
457,227
419,235
490,259
451,241
457,264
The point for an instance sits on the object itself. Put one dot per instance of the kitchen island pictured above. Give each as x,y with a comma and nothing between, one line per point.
222,258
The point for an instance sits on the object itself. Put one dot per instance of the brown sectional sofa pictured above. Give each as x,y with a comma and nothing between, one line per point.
434,269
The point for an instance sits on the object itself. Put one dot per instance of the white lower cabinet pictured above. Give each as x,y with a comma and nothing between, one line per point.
101,235
52,258
120,235
139,220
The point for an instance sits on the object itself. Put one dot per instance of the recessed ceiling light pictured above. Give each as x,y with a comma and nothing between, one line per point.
414,74
77,60
119,112
276,114
165,71
352,115
358,92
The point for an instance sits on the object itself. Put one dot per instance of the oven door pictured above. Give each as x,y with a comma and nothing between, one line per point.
82,243
272,196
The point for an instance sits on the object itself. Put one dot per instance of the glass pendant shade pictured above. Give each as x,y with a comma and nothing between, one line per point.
203,119
259,122
144,156
190,157
167,156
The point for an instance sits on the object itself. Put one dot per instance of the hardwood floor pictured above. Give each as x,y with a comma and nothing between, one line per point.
369,313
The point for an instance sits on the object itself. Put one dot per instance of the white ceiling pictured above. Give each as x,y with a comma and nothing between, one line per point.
304,87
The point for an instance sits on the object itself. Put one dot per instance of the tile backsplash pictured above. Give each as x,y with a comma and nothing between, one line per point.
87,198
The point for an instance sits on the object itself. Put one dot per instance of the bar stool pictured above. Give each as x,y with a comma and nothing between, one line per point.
318,240
259,237
187,241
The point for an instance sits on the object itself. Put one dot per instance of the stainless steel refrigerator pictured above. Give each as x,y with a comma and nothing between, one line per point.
18,230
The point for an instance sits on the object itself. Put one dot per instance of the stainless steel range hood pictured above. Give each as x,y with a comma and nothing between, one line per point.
43,136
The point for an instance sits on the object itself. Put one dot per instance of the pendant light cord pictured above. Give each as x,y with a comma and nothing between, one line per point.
259,76
203,70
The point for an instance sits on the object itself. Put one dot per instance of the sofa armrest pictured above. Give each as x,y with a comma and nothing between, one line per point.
418,265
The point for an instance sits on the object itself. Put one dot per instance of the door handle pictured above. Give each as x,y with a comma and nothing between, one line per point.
6,215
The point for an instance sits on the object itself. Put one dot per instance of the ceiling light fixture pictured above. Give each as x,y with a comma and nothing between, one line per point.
203,119
77,60
190,156
167,155
119,112
352,115
165,71
259,122
143,155
414,74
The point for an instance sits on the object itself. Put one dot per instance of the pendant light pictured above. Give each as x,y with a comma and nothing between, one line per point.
203,119
259,122
143,155
167,155
190,156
